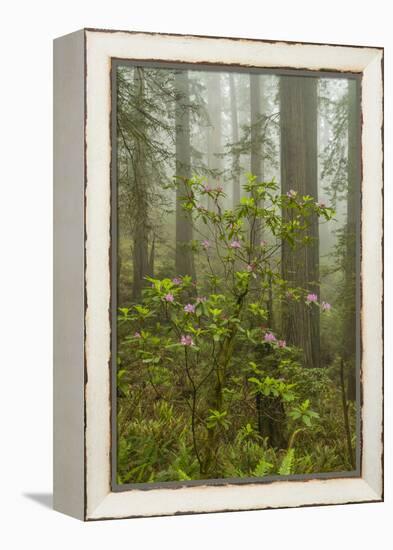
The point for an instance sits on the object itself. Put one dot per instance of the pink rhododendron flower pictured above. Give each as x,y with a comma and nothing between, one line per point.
189,308
311,298
137,335
219,189
269,337
282,343
291,194
326,306
206,244
169,297
186,340
320,204
176,281
235,244
207,188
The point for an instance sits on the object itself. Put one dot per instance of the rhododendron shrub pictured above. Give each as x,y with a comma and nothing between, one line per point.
212,347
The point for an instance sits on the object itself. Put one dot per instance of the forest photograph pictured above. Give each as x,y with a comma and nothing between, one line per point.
236,270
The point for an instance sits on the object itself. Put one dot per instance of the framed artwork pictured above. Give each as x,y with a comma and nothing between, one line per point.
218,274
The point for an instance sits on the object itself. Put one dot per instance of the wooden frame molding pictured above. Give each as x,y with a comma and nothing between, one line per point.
82,207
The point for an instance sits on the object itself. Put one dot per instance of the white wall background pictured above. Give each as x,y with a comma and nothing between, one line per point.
28,28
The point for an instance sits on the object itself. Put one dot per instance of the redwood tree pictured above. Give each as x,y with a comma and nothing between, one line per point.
184,230
140,252
256,121
235,139
299,173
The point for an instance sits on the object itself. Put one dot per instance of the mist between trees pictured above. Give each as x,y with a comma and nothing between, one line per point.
236,270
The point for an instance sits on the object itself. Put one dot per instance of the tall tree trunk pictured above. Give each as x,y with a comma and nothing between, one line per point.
184,230
256,111
299,171
214,135
152,255
349,332
270,413
326,236
138,168
257,164
235,139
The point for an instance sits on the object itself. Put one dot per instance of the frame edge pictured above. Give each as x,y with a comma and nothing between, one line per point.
68,289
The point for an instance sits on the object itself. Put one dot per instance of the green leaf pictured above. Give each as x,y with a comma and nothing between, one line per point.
286,466
306,419
262,468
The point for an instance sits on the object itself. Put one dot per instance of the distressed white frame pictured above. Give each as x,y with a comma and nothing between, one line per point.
100,48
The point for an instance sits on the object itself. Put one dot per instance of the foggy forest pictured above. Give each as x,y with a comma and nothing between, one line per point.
237,230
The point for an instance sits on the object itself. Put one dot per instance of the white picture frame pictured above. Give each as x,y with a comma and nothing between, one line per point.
82,335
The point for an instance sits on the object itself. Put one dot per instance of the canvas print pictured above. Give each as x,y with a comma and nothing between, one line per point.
236,329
